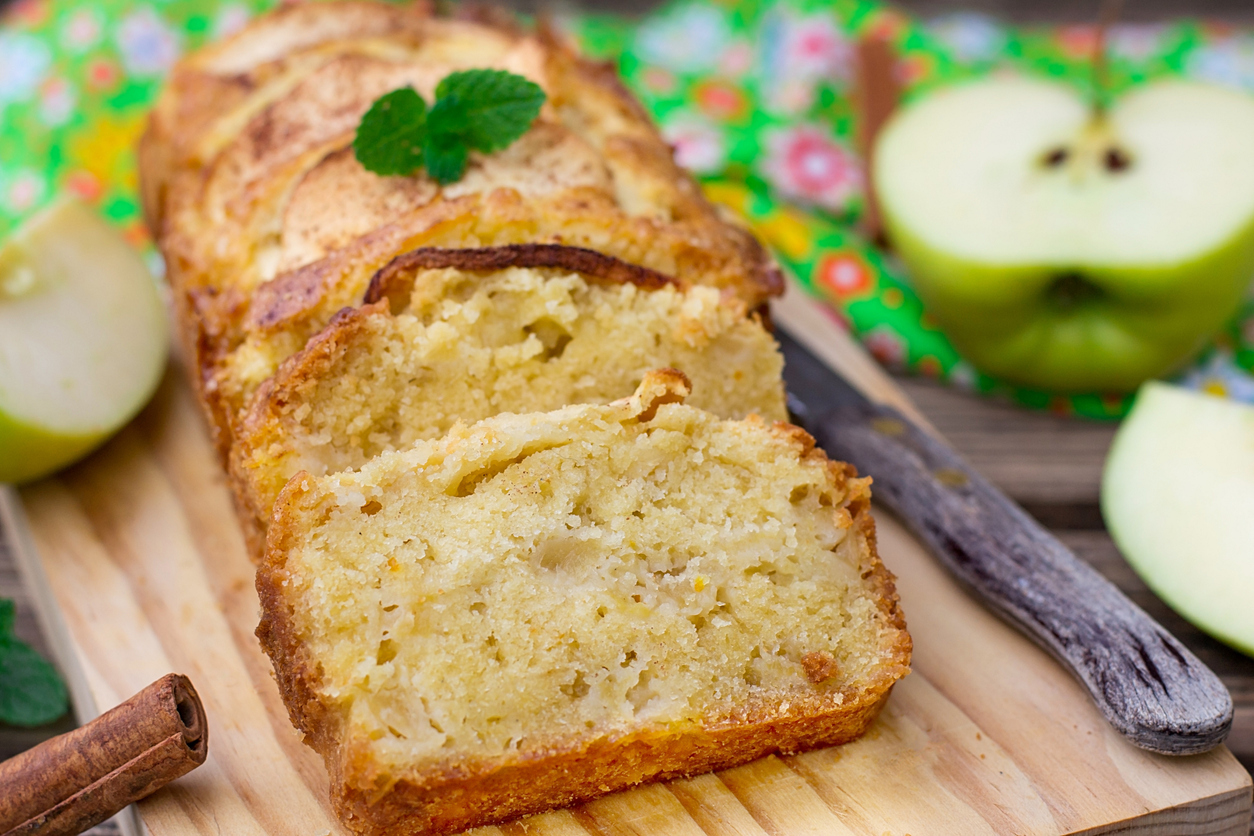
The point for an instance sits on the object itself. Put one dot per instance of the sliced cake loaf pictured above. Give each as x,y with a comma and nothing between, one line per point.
542,608
467,342
474,621
269,225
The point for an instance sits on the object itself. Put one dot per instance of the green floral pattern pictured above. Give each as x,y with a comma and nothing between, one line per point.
755,97
76,82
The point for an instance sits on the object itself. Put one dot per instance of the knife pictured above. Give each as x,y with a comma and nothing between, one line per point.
1148,685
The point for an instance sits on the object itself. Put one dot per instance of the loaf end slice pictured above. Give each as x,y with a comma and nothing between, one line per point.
538,609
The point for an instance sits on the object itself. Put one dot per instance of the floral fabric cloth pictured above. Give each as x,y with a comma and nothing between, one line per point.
77,78
754,95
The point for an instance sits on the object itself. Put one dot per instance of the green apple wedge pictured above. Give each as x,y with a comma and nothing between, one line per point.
1178,498
83,339
1069,248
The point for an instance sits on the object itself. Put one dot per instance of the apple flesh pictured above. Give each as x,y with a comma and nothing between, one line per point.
1069,249
83,339
1178,498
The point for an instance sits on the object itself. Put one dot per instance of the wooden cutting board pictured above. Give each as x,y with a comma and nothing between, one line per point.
140,569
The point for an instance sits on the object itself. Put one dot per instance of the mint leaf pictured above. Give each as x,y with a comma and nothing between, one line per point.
445,158
481,110
486,109
390,136
448,121
31,692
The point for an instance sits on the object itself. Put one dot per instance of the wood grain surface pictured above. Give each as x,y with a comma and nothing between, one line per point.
144,559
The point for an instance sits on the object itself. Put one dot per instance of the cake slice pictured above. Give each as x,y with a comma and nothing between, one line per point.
542,608
482,331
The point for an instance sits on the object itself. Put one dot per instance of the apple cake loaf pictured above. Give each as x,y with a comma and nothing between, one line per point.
461,335
489,588
269,225
542,608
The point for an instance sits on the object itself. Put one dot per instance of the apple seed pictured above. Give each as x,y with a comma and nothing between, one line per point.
1056,157
1116,160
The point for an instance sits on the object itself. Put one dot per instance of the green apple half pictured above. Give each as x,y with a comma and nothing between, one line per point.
1069,249
83,339
1178,497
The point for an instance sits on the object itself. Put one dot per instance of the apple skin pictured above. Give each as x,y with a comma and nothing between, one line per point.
32,452
1149,322
1178,498
1161,248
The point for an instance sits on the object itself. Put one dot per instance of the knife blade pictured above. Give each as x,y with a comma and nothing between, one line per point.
1147,684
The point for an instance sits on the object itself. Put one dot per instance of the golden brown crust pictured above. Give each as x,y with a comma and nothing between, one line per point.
197,311
553,773
658,388
820,666
220,77
494,792
296,673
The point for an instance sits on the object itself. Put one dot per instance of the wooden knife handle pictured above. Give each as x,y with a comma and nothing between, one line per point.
1147,684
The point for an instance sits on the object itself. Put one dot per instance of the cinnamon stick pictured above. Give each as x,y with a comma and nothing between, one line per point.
877,90
76,780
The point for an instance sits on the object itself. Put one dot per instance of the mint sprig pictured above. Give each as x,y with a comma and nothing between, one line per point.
31,692
474,110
